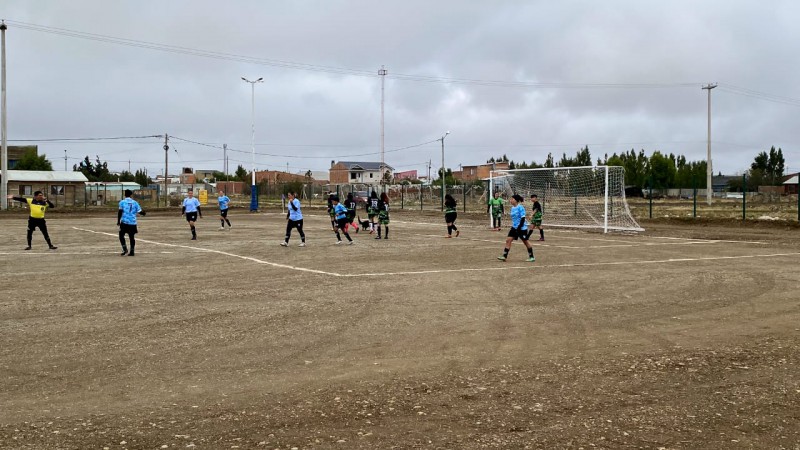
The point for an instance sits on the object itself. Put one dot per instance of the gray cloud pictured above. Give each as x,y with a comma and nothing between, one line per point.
61,86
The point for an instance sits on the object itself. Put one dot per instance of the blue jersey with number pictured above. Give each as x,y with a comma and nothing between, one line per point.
191,204
294,210
223,202
340,210
517,215
130,208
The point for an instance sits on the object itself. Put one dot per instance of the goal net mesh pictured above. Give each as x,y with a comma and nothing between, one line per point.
578,197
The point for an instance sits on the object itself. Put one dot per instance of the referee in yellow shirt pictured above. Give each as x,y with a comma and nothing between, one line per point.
38,206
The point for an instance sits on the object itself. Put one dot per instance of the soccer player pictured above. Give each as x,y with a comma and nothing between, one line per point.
126,221
38,206
191,208
372,210
536,218
340,212
450,215
223,210
331,213
350,204
519,229
383,215
294,219
495,206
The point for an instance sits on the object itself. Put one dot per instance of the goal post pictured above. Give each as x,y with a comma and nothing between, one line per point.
575,197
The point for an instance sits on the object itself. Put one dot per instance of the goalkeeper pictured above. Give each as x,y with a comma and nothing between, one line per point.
536,217
495,206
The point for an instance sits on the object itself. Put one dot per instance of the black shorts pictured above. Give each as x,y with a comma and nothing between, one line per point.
126,228
191,217
513,233
223,212
34,223
341,223
450,217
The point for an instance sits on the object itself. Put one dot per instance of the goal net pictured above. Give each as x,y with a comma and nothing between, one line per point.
577,197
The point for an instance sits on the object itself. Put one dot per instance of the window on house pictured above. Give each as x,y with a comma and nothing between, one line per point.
370,175
25,189
56,190
353,175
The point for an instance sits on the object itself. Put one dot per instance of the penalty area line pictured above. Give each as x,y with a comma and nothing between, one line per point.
219,252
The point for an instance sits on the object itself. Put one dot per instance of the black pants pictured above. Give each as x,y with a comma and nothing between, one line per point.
295,224
34,223
130,230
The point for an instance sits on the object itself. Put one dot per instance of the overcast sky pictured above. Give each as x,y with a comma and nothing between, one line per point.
547,77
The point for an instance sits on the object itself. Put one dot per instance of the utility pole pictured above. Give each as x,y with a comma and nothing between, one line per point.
382,74
429,171
166,169
65,160
225,159
709,168
129,164
3,125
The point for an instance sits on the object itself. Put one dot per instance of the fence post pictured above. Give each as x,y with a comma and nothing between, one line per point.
650,194
464,189
694,197
420,197
402,195
744,197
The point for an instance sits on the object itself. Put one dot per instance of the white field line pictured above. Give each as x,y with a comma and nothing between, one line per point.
536,266
246,258
626,244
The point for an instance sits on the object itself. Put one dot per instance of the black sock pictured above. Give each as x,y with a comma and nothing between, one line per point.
379,231
541,233
347,235
386,235
228,221
455,228
449,230
221,223
194,233
530,252
338,237
505,252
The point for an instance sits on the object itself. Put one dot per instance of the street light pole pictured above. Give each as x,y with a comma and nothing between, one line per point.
4,184
709,169
443,170
253,192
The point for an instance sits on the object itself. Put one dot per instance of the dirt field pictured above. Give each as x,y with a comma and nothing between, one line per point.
684,336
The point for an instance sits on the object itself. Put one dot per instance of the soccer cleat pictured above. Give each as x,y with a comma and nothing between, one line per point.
531,259
377,237
131,254
221,228
351,243
284,244
194,238
338,242
53,247
386,237
457,233
501,258
541,239
302,244
448,236
124,252
28,247
356,230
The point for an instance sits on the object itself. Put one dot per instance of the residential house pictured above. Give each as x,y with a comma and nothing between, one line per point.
60,187
353,172
479,172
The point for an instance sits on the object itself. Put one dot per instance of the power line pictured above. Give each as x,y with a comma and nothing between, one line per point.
335,70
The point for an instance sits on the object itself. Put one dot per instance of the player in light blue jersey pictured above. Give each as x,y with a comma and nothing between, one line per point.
223,210
126,221
191,209
294,219
340,215
519,229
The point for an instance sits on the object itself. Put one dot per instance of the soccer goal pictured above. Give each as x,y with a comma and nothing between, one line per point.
577,197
